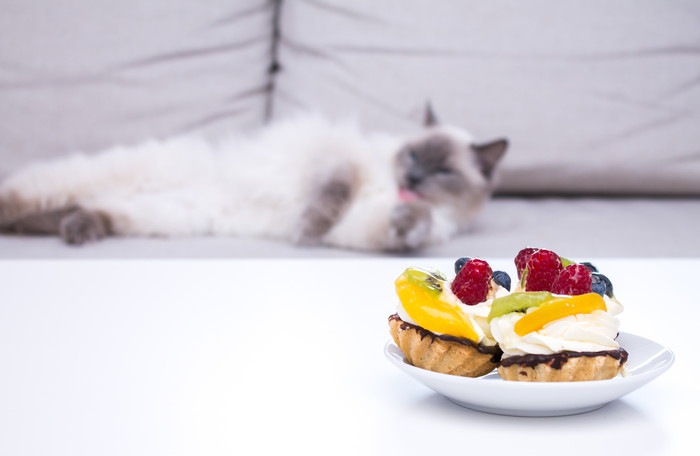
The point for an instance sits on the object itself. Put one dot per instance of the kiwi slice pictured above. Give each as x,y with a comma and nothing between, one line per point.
566,262
518,302
426,278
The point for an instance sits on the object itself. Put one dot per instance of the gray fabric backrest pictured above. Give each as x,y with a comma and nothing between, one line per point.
596,96
82,75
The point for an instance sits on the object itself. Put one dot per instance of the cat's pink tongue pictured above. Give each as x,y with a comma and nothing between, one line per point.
407,196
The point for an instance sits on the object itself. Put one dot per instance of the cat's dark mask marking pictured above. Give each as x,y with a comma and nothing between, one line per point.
430,156
440,167
489,154
429,165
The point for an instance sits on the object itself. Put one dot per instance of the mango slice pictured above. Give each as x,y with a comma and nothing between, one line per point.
420,292
557,308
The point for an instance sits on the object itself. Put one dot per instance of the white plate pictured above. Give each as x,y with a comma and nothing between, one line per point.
647,360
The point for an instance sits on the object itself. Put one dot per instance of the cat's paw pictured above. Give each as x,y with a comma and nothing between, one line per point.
409,226
82,226
326,206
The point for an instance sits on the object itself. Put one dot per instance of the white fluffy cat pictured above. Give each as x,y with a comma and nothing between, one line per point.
305,180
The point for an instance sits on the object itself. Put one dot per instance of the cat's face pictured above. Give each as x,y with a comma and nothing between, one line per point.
444,167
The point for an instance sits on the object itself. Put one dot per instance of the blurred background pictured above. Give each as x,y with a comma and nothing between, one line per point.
600,100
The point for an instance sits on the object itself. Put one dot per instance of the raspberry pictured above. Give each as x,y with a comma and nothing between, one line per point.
472,283
542,269
521,260
574,279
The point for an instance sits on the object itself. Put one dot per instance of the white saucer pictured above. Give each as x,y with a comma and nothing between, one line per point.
647,360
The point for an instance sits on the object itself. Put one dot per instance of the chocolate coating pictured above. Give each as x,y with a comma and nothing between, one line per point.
557,360
495,351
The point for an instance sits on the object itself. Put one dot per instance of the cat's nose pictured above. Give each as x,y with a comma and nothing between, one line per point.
414,179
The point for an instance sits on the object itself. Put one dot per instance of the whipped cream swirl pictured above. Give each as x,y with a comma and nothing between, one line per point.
592,332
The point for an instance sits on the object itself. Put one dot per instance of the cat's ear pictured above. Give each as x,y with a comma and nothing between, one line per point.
429,118
489,154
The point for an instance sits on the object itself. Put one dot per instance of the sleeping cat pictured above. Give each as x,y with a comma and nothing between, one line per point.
305,180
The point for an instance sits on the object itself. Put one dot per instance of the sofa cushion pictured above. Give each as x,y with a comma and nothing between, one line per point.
84,75
597,97
579,228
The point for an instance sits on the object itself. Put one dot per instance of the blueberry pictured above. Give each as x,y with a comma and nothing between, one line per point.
590,266
602,283
598,286
502,278
459,264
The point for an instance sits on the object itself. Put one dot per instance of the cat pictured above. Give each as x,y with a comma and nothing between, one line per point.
306,180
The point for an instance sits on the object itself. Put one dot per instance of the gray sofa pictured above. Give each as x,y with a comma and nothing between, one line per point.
601,102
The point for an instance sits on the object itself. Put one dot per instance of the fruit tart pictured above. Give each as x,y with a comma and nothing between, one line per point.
443,326
560,324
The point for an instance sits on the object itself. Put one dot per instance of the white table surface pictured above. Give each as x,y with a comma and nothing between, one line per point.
286,357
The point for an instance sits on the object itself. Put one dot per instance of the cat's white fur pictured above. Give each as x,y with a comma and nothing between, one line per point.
246,185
